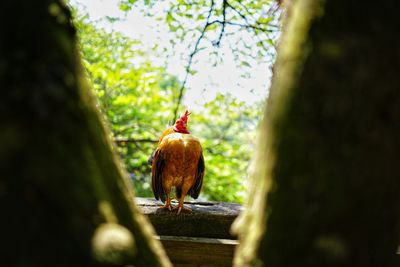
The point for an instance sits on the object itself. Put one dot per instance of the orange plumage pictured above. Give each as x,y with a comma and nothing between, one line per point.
178,162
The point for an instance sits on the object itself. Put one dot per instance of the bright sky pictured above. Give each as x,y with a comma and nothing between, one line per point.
208,79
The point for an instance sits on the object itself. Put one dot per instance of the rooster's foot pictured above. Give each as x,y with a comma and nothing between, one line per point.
167,207
182,208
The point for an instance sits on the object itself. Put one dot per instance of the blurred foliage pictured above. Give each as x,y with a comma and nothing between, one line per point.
138,99
227,129
250,28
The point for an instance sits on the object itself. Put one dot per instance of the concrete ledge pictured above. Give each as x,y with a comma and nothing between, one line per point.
207,219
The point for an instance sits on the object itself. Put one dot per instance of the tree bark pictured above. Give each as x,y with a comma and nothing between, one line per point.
64,197
325,180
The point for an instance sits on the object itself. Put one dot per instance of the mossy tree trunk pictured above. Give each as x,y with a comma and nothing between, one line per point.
326,188
64,198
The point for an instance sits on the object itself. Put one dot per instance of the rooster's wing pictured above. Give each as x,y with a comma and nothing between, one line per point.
157,175
198,182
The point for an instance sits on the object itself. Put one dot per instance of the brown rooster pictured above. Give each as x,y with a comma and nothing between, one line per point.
178,162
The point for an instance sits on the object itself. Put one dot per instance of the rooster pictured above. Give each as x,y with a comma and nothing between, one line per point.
177,162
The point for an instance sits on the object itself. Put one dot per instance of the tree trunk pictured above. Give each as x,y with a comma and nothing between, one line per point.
326,188
65,199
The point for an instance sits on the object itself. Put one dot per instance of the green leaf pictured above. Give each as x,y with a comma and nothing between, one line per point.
246,64
124,6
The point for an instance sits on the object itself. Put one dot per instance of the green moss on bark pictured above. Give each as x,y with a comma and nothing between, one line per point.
60,178
327,163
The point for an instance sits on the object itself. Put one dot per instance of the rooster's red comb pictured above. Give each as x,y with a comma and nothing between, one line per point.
185,116
180,124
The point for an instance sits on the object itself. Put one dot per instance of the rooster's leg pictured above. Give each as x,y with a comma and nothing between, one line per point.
167,204
185,189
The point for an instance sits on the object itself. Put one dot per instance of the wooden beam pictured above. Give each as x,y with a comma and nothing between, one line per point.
198,252
207,219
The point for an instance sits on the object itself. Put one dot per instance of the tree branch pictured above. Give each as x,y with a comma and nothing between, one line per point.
189,65
249,26
224,4
256,27
133,140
